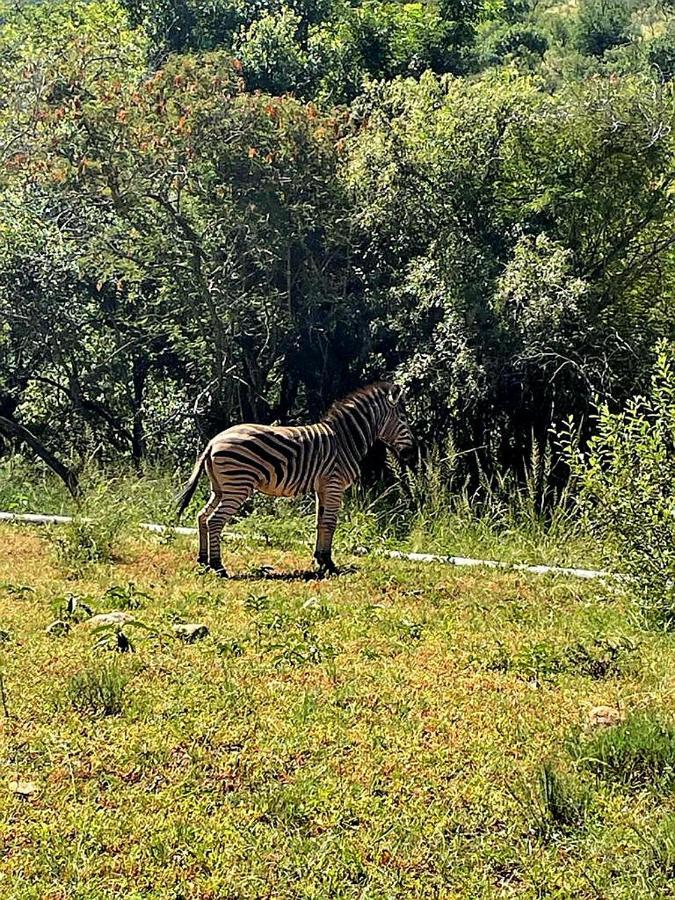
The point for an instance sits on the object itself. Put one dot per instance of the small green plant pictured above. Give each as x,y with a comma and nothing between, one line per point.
639,753
601,658
230,647
256,602
126,596
96,530
20,591
72,609
84,541
98,691
114,636
598,658
663,848
556,802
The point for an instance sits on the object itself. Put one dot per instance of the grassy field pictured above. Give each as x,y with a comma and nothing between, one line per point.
398,731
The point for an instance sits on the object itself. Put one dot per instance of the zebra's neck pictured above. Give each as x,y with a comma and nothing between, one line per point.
356,427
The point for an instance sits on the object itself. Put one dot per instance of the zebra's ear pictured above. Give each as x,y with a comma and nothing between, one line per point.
395,394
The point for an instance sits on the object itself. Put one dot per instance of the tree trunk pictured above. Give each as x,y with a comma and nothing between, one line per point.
69,478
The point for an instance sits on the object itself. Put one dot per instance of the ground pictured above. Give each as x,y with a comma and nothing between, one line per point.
376,735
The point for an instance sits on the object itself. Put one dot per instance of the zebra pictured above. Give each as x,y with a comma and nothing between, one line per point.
285,461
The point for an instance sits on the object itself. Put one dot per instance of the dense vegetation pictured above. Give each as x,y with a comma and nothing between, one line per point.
220,211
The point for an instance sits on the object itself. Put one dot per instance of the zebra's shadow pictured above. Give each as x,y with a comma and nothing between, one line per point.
266,573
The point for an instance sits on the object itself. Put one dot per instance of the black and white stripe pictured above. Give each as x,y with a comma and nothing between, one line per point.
291,461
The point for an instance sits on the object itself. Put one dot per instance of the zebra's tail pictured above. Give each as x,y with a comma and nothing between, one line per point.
185,495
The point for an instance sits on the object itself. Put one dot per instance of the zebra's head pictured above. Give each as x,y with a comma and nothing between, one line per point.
395,431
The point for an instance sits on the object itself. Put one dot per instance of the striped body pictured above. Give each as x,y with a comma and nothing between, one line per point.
291,461
279,461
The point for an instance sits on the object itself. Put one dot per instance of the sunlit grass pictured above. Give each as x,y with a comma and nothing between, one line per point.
341,738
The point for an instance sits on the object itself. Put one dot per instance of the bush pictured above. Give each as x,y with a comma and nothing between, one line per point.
626,488
513,40
601,25
96,530
638,753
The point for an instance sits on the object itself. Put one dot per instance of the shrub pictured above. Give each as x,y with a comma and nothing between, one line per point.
97,692
626,488
513,40
639,752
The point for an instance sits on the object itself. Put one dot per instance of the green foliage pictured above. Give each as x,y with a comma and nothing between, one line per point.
508,42
639,753
557,802
597,658
626,486
601,25
98,691
661,54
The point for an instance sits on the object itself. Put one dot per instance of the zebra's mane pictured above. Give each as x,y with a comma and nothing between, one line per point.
341,406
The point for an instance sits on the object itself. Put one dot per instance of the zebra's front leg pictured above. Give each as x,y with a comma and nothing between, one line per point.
328,502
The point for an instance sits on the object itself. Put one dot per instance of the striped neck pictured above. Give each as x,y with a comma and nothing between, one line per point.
356,423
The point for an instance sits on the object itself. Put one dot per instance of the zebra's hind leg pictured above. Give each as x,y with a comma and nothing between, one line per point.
227,506
202,519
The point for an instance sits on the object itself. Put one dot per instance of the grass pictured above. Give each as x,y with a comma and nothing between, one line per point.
428,510
339,738
97,691
639,752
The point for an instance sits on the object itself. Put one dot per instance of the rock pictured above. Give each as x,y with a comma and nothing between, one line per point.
58,628
604,716
117,617
22,788
190,632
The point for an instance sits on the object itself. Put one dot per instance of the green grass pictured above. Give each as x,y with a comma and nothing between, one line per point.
499,522
352,737
639,753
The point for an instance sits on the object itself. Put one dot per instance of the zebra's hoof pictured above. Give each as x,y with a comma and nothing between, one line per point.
220,572
327,570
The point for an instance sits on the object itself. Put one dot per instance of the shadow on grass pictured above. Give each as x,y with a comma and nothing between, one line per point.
265,573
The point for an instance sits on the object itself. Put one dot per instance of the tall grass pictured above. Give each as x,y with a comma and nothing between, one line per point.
429,506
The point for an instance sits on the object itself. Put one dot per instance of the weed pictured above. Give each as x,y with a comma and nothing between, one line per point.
85,541
19,591
639,752
231,647
256,602
662,846
72,609
555,802
114,636
598,658
126,596
601,658
98,691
